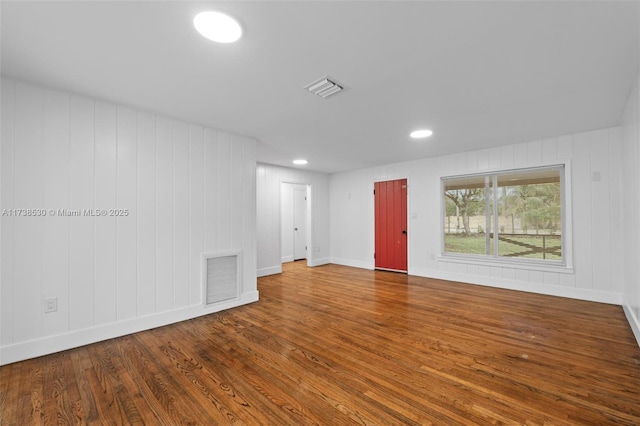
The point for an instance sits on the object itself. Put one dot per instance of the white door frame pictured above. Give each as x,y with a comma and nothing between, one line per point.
310,254
300,236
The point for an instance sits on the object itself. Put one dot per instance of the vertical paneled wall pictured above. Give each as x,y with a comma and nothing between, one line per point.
268,181
594,158
172,190
630,183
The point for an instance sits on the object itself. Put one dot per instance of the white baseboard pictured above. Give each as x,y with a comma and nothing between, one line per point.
269,271
60,342
551,290
634,321
318,262
286,259
353,263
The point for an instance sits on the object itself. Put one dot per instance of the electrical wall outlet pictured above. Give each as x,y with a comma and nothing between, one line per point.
50,304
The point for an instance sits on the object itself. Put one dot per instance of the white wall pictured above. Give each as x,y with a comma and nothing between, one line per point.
630,183
188,190
269,179
596,215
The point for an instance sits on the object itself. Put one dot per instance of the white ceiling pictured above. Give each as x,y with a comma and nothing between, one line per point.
479,74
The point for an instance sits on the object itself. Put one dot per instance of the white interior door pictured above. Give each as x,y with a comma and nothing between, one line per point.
299,222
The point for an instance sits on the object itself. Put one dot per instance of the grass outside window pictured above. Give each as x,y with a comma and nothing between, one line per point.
510,214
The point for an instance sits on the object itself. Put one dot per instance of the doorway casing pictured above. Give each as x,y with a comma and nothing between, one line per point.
287,215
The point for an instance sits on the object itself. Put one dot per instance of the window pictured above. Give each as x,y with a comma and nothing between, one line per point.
506,215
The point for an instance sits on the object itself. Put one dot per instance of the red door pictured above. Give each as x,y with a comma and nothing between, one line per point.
391,224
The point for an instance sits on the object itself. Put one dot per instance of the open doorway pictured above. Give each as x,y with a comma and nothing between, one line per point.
294,215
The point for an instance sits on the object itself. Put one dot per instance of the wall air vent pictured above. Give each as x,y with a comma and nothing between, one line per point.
221,275
324,87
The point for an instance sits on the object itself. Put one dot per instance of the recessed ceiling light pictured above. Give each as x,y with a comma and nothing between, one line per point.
419,134
300,162
217,26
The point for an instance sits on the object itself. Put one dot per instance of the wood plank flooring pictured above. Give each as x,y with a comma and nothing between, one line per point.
333,345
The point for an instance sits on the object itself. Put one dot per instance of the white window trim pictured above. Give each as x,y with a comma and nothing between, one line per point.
519,263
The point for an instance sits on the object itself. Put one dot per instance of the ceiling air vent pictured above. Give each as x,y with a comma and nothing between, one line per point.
324,87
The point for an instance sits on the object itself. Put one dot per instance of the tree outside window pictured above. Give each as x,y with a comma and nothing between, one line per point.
510,214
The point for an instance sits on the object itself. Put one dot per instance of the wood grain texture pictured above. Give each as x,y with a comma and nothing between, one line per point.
340,346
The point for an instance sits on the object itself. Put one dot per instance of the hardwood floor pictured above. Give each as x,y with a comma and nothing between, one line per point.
333,345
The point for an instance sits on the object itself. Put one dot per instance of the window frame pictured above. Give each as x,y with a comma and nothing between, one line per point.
564,266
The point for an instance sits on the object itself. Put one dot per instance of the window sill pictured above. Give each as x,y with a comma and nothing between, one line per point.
532,265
